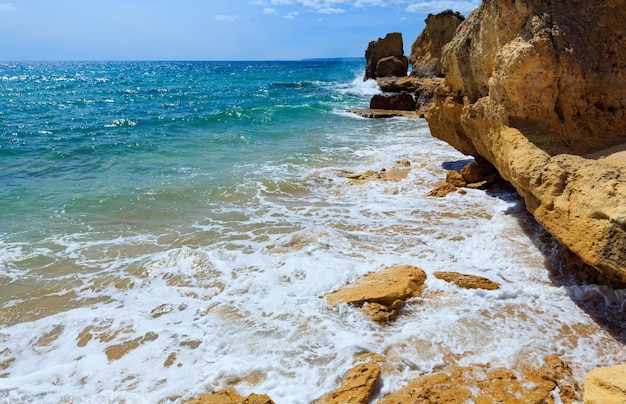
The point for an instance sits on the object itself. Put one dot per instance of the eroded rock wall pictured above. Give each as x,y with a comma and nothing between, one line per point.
534,86
426,50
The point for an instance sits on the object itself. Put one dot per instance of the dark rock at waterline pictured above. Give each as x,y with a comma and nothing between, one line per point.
396,101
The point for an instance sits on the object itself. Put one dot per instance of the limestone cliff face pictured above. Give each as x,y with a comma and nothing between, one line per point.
426,50
533,86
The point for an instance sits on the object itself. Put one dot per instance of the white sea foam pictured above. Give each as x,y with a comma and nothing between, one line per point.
237,298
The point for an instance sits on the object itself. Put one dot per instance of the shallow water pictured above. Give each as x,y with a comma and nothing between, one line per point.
170,229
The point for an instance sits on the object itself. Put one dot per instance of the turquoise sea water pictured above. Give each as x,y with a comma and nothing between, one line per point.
170,228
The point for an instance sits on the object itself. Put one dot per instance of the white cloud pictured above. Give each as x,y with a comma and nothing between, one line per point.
8,7
438,6
340,6
268,10
331,10
222,17
291,16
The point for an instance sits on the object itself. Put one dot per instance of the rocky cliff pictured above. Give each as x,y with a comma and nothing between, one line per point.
536,87
426,50
385,57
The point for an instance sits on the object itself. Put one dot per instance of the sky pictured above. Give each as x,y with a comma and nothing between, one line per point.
208,29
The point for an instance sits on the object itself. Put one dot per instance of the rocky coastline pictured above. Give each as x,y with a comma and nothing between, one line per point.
536,92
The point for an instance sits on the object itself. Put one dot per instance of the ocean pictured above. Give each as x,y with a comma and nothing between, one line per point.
169,229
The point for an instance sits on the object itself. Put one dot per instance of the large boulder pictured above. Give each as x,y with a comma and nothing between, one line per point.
391,46
534,87
426,50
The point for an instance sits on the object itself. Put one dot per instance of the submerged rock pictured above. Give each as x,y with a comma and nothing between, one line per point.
357,386
533,87
396,173
483,384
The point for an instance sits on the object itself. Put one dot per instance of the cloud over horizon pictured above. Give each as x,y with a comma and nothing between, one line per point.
340,6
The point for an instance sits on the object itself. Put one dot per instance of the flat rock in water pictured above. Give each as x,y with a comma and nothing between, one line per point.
230,396
382,294
467,281
383,113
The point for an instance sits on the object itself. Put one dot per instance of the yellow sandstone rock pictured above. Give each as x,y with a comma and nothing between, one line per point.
467,281
533,87
385,291
606,385
484,385
357,386
230,396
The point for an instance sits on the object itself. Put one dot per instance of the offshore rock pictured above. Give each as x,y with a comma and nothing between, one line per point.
421,88
389,46
426,50
357,387
533,87
416,85
391,66
385,291
398,101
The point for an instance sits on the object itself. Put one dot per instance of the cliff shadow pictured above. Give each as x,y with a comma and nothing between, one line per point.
606,305
456,165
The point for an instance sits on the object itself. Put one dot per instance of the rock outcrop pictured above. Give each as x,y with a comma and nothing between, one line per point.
385,57
385,62
426,50
533,87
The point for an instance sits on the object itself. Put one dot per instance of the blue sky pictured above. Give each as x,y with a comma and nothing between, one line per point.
207,29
